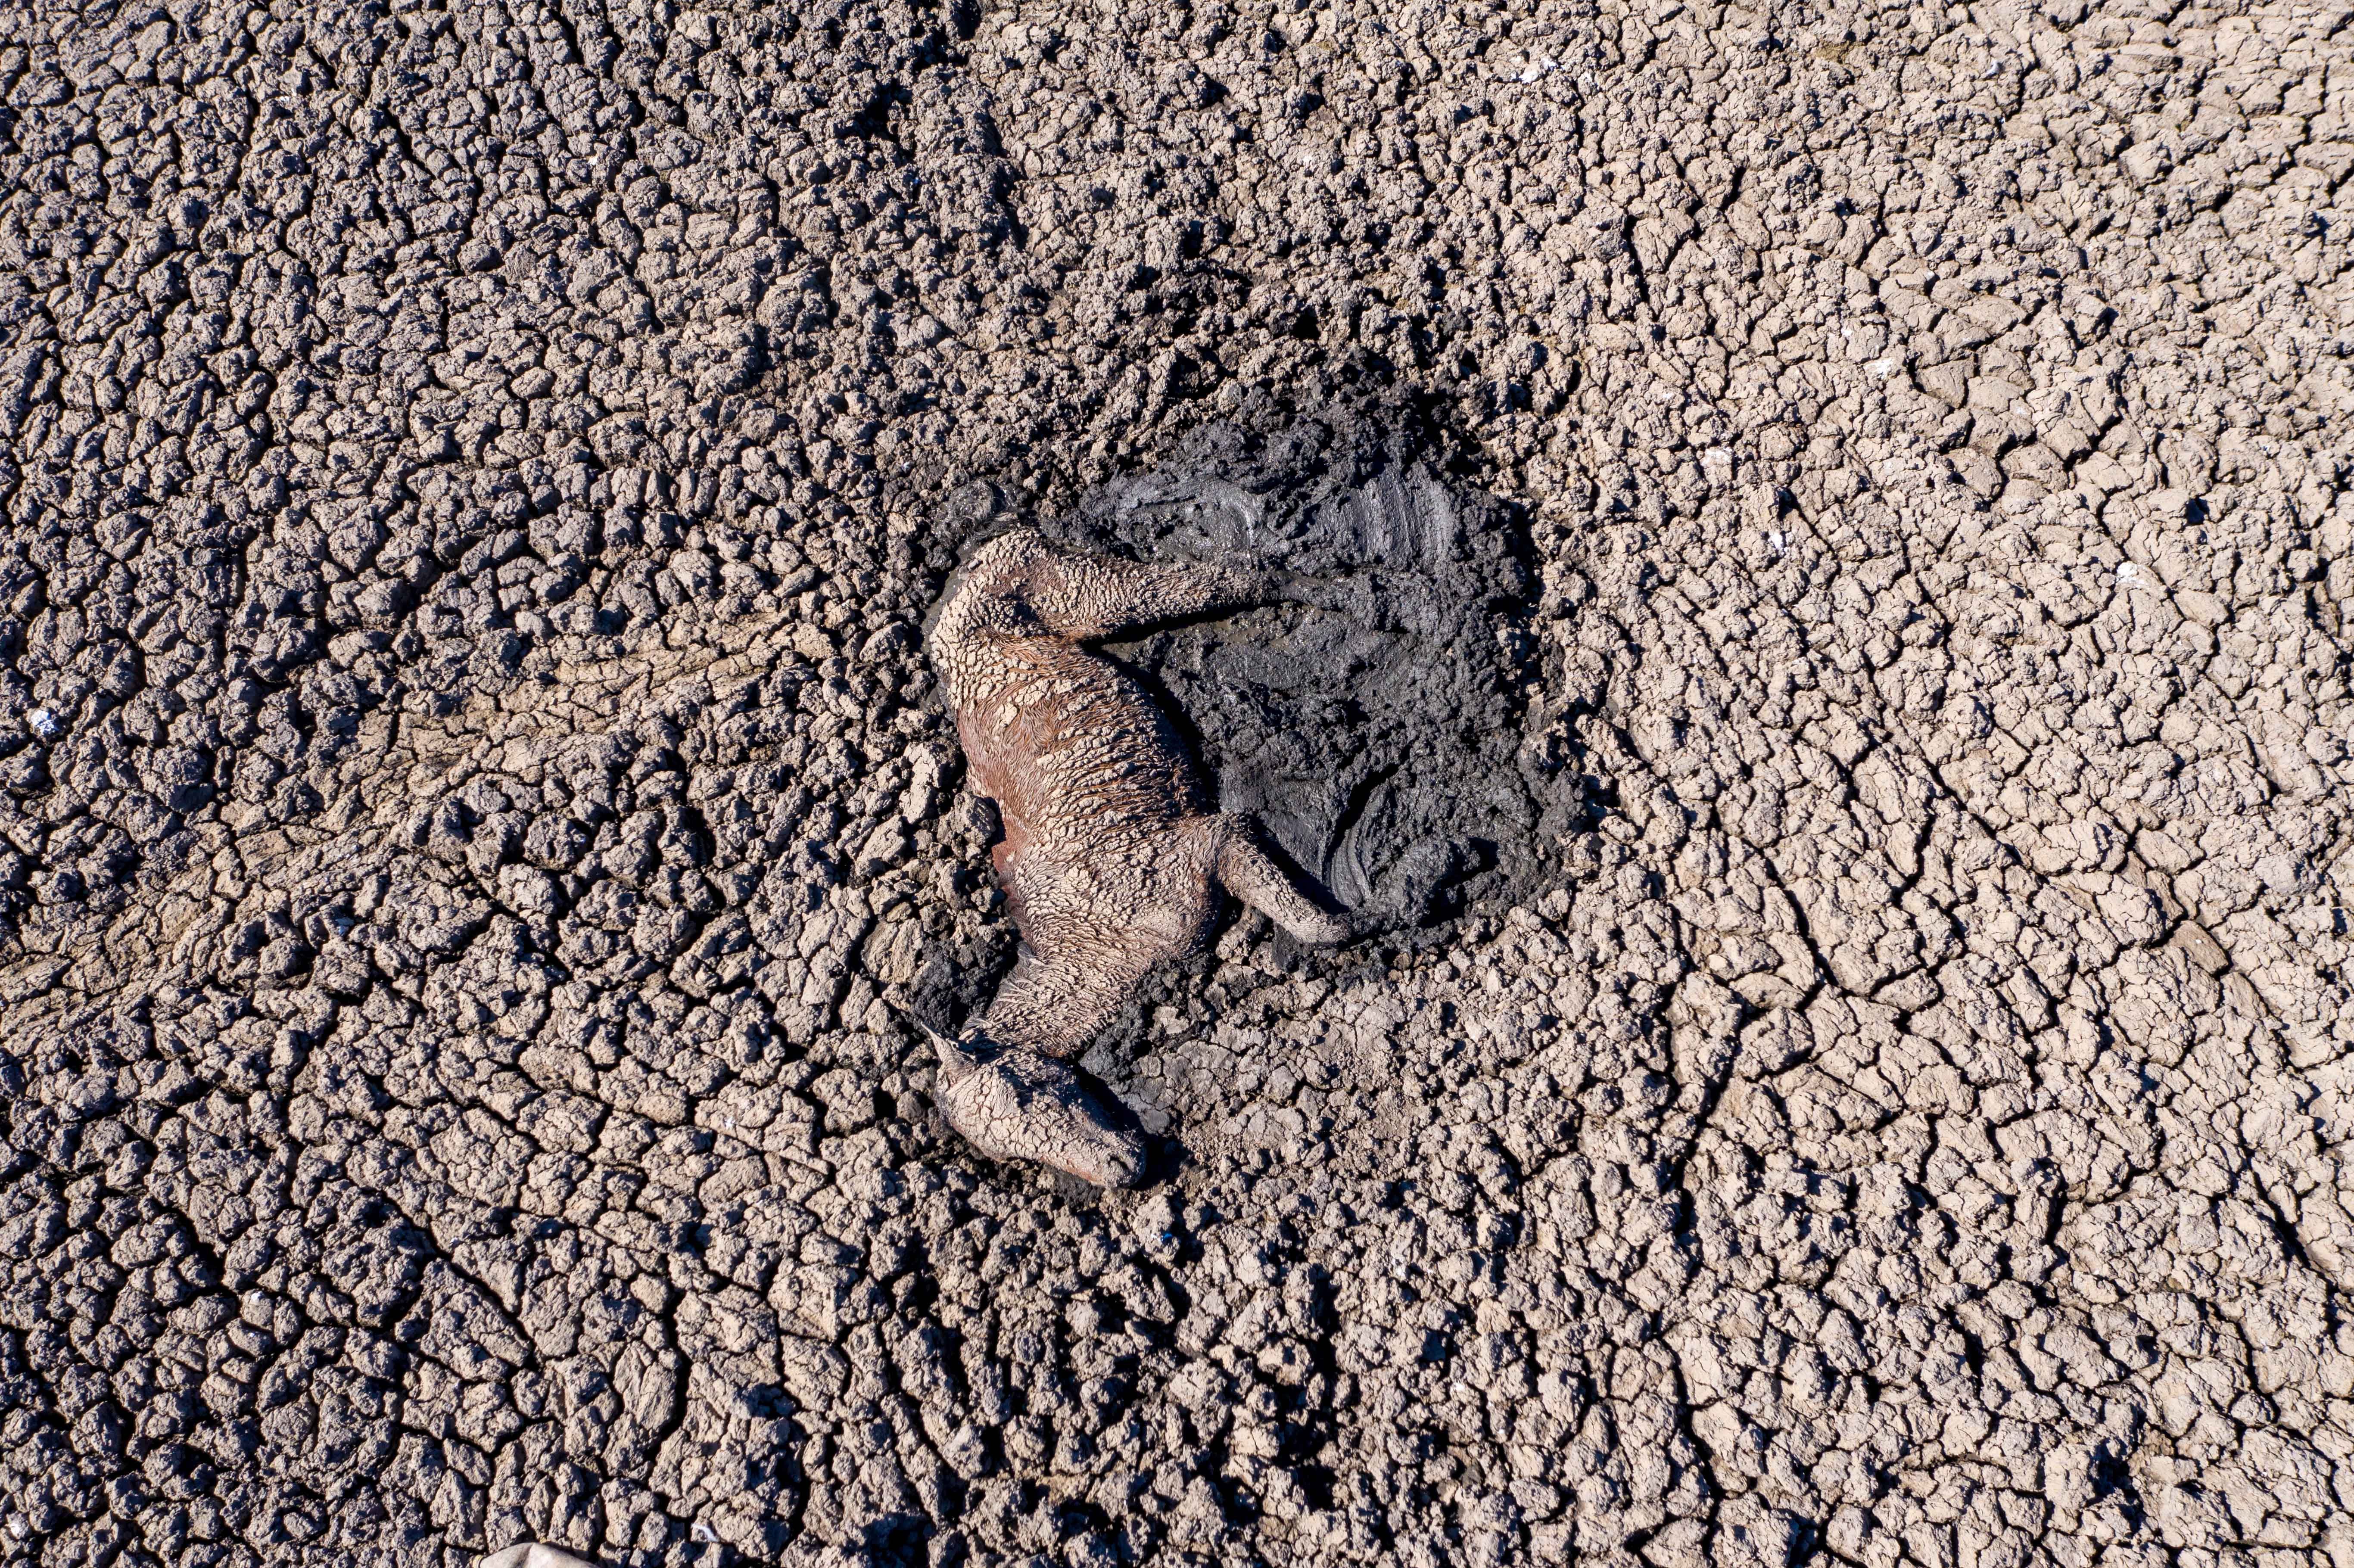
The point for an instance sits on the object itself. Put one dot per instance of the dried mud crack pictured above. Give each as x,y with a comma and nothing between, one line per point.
474,815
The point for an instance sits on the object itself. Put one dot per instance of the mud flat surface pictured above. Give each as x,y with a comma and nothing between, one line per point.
472,811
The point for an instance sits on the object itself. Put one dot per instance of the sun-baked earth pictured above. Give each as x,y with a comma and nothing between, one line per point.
475,810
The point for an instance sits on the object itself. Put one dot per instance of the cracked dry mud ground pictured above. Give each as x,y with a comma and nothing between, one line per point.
473,803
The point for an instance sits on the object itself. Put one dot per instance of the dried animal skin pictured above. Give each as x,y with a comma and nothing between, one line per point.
1112,857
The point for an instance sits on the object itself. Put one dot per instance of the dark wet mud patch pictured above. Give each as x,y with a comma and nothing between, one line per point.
1380,736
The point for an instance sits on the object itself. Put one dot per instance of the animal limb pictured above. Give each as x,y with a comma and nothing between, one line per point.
1083,596
1246,870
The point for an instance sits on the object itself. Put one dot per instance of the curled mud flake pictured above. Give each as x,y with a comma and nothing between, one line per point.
531,1554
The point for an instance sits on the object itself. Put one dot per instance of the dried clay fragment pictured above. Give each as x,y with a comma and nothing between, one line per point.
529,1555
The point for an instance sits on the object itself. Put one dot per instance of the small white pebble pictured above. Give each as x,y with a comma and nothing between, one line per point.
43,722
2127,572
